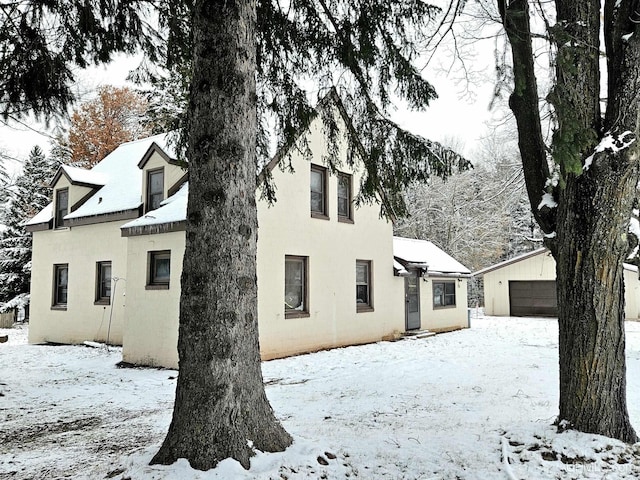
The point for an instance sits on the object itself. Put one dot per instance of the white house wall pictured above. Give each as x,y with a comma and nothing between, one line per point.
543,267
332,248
286,228
172,173
631,295
151,328
81,248
443,318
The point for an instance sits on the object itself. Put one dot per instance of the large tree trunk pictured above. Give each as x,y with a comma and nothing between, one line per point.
589,252
587,231
221,409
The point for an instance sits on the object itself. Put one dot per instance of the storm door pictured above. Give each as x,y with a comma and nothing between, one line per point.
412,301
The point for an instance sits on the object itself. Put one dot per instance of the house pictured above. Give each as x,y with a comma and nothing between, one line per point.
526,286
435,286
107,258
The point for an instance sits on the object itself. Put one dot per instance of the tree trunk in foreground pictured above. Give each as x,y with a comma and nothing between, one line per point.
221,409
587,223
589,253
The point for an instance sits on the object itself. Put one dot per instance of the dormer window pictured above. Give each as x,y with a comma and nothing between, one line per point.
62,206
155,188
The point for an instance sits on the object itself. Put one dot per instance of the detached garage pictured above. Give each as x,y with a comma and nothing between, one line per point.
525,286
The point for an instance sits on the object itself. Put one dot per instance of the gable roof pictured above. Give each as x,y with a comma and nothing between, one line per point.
168,155
123,189
79,176
516,259
424,254
331,99
534,253
117,180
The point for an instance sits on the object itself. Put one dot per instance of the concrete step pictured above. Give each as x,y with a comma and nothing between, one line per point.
417,334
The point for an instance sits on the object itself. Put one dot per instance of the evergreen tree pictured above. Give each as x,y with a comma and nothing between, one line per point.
30,194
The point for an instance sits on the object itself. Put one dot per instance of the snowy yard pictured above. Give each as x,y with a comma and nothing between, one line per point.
454,406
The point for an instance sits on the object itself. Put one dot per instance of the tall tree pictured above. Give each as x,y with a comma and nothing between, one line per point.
584,209
365,50
234,416
115,116
30,194
370,44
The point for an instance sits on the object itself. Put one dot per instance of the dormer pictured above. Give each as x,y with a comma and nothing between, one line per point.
72,187
162,176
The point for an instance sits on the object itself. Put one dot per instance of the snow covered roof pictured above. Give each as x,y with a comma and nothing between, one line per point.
422,253
515,259
123,187
524,256
399,269
171,210
80,176
117,179
43,216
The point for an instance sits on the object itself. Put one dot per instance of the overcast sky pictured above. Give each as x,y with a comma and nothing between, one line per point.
452,116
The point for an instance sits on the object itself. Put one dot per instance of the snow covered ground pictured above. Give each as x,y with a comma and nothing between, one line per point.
473,404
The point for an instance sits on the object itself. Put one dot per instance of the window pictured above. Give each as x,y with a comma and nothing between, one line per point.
344,197
60,285
159,269
363,286
103,282
319,192
295,287
444,294
155,188
62,206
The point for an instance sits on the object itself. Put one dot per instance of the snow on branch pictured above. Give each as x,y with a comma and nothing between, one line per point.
547,201
612,143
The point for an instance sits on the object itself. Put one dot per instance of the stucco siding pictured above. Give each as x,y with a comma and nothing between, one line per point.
438,319
332,248
151,327
81,248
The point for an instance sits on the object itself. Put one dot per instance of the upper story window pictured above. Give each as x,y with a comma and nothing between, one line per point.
319,192
363,286
295,287
344,197
444,294
155,188
62,206
60,285
159,269
103,282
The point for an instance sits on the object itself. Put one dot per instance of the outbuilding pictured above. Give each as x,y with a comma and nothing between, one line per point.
525,286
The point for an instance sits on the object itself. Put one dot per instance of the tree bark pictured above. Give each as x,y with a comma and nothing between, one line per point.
587,233
221,409
589,253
